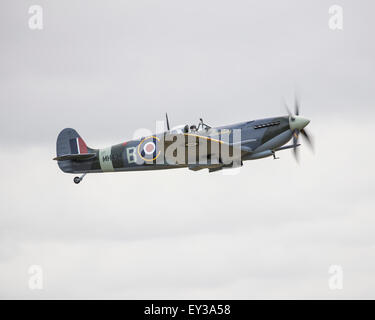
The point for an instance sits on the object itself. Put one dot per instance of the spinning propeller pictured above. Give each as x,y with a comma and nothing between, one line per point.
297,125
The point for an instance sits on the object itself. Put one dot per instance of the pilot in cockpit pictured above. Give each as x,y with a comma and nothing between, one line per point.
193,128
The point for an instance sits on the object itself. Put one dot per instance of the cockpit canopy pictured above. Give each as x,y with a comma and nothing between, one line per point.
192,128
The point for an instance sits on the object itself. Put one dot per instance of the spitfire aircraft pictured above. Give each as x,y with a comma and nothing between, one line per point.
195,147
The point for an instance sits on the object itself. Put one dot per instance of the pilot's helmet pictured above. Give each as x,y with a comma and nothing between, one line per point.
193,127
186,129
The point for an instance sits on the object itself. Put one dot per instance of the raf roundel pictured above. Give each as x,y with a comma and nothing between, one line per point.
148,148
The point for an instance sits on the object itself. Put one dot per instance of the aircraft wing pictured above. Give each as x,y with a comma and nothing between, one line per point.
199,148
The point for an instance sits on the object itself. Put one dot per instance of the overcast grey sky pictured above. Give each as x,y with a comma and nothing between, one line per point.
108,68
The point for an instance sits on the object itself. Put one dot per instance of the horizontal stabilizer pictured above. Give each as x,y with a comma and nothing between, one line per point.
77,157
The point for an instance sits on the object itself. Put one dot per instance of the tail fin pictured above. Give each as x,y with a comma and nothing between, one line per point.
70,146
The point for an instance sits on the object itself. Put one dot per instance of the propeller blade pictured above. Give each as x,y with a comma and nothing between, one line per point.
296,105
295,136
287,109
295,154
166,116
308,138
295,144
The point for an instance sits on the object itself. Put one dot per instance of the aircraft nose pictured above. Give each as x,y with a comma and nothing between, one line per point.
297,122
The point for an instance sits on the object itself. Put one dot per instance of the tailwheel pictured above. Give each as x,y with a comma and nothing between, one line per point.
79,179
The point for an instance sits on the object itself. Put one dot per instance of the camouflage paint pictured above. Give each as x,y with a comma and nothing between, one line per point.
262,135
